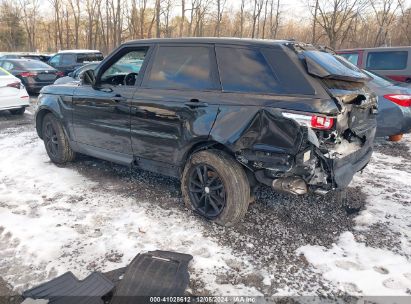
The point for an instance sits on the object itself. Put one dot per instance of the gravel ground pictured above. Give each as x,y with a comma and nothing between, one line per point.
276,225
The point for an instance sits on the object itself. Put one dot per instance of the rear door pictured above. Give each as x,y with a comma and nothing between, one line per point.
176,105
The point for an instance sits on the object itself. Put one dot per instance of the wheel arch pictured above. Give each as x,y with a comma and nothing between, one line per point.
41,113
215,145
205,145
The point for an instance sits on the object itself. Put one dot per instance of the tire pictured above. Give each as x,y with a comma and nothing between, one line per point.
222,170
18,111
55,141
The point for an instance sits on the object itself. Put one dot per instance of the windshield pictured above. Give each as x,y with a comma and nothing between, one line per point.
34,65
326,65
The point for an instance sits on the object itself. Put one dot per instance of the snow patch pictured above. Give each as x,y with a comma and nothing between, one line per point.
54,220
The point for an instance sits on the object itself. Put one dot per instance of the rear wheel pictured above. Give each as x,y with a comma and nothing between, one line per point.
55,140
216,187
18,111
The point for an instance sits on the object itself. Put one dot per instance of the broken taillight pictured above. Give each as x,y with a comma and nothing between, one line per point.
313,121
403,100
322,122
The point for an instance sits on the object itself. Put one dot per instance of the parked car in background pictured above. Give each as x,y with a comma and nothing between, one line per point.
394,107
223,115
391,62
13,95
35,56
75,76
69,60
33,74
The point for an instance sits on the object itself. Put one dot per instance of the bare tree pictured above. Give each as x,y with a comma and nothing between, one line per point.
336,16
258,6
220,11
385,15
30,11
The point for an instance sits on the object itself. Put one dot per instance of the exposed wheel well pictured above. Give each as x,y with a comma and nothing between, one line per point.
218,146
205,145
39,121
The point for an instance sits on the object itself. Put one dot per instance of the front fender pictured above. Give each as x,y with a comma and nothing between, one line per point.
60,106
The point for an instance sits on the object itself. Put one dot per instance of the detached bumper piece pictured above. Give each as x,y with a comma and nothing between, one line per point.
156,273
67,289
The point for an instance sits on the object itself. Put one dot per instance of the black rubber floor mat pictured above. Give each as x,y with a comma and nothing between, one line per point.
67,289
156,273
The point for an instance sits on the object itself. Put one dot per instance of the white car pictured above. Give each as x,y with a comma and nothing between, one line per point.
13,94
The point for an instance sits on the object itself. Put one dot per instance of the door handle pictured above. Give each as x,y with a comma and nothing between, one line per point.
195,103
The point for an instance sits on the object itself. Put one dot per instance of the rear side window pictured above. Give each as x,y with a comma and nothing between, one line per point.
351,57
245,70
182,67
390,60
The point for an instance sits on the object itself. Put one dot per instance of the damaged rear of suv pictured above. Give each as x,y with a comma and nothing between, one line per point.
307,127
223,115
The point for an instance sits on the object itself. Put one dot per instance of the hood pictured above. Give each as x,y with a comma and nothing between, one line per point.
59,89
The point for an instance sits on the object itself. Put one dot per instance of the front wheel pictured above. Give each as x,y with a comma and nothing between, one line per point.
55,141
216,187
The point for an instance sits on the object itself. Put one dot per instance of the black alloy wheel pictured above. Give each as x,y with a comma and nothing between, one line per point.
207,191
50,139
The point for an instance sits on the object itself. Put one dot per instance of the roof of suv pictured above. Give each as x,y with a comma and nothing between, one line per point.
78,51
239,41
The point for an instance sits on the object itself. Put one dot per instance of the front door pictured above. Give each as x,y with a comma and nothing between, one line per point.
101,116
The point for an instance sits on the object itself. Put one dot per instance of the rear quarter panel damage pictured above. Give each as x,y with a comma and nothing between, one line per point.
256,128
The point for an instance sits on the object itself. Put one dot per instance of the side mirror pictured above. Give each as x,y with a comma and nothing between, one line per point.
88,78
70,74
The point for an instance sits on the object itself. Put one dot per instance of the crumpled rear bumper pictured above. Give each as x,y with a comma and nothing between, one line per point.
344,169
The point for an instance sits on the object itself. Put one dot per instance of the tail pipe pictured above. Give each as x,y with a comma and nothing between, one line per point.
293,185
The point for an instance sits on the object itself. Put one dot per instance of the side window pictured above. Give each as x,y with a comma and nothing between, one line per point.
390,60
126,69
351,57
68,59
55,60
7,65
182,67
245,70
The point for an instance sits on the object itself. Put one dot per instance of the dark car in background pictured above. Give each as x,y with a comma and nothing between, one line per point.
75,75
222,115
69,60
391,62
33,74
394,107
35,56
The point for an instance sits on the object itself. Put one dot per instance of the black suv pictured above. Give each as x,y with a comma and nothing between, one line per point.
69,60
223,115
